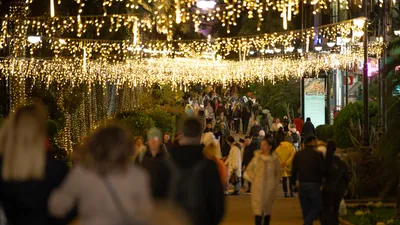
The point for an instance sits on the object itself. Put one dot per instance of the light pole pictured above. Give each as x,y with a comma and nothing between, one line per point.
365,77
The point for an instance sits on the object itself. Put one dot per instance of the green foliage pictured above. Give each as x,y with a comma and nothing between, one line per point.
138,121
325,132
369,215
351,113
163,120
52,128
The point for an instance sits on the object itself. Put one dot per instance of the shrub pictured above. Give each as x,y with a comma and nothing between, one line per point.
352,112
325,132
138,121
163,120
52,128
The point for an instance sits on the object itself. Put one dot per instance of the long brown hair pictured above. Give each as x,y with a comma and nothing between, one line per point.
23,143
108,149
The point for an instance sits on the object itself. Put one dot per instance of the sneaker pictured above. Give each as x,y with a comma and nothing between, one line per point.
286,195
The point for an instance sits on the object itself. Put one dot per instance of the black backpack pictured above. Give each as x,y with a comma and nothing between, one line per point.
186,191
295,138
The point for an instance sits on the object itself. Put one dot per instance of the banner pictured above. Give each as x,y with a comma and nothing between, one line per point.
314,100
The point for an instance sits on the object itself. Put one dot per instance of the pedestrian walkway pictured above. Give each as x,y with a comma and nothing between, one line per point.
286,211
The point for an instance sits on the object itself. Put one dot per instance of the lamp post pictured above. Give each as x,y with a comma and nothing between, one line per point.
365,77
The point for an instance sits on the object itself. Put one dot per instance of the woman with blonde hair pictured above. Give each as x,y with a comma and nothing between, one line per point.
28,173
107,176
210,151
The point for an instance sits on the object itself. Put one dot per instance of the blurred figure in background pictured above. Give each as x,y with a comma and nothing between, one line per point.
167,141
298,121
308,128
138,146
154,161
264,172
237,114
208,128
234,163
105,175
280,136
246,114
210,150
295,135
321,147
28,175
255,129
196,184
308,168
222,134
335,185
248,154
286,152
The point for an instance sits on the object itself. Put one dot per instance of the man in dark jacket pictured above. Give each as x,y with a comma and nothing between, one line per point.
154,161
308,169
207,203
246,114
255,129
248,155
167,141
308,128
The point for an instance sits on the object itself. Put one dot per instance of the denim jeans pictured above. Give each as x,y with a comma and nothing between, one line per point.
310,201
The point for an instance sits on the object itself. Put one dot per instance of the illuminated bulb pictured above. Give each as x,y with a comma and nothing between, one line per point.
397,32
204,4
300,50
359,22
330,44
252,52
358,33
34,39
277,50
289,49
318,48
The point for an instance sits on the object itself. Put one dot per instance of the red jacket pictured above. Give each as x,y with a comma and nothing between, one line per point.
299,124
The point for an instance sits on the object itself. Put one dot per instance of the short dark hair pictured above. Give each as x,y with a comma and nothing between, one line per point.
191,128
309,139
271,142
247,137
230,139
308,119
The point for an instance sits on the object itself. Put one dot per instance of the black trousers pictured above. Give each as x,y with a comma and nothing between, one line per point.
285,183
237,125
259,220
331,201
245,124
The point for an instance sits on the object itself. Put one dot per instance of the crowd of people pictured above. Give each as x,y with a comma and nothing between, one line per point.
120,179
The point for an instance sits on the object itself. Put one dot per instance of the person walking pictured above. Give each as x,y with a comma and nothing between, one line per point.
208,128
286,152
255,129
308,128
246,114
104,185
236,118
280,136
138,147
167,141
28,173
222,134
298,121
295,135
197,187
264,122
308,169
234,164
264,172
154,161
334,187
248,154
210,150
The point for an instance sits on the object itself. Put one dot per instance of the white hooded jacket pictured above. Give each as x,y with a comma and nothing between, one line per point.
234,161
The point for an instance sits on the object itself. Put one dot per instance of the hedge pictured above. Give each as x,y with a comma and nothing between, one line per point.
138,121
325,132
163,120
352,112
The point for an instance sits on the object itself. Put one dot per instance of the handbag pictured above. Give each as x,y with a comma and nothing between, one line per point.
234,179
127,219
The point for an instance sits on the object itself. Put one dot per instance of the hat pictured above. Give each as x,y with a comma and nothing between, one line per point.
261,133
154,133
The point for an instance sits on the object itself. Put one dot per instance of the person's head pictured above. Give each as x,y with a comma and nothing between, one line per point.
261,134
287,139
267,146
280,130
310,141
308,119
222,126
209,125
154,139
138,141
293,128
278,120
255,122
247,140
242,142
23,144
230,139
167,137
191,132
108,149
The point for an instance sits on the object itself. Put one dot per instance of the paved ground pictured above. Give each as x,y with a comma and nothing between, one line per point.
286,211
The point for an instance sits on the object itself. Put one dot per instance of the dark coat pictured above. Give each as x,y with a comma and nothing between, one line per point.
248,153
246,114
337,176
222,135
255,130
213,204
308,129
159,172
169,145
25,202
